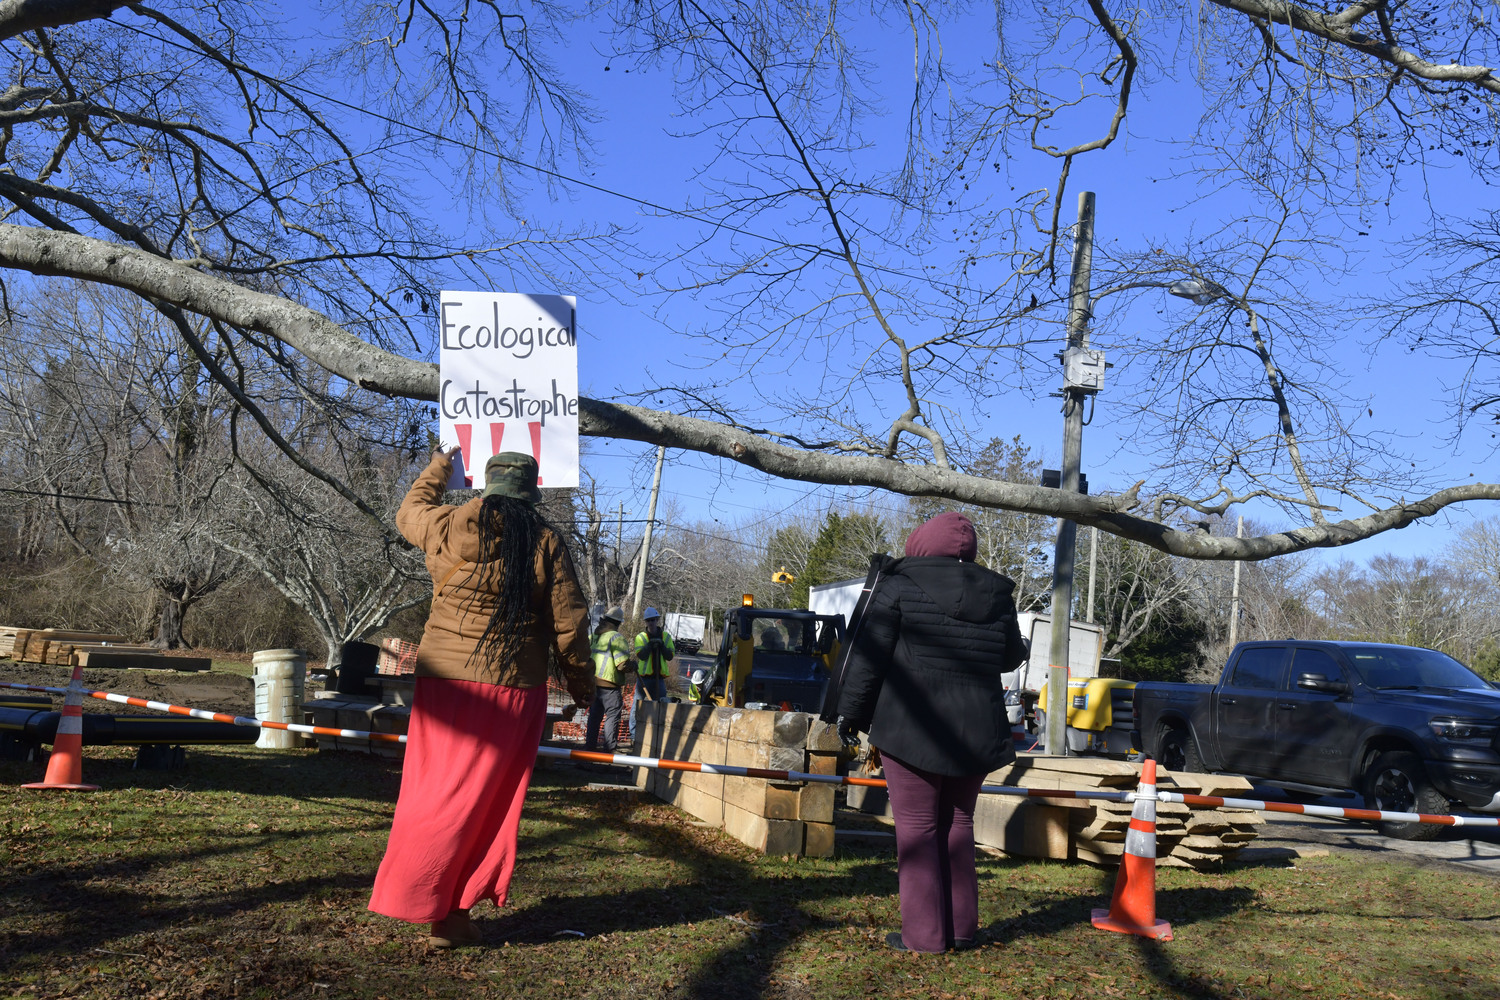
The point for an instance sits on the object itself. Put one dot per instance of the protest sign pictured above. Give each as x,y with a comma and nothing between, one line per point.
509,381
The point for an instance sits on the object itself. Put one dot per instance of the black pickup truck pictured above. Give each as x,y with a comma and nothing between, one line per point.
1412,730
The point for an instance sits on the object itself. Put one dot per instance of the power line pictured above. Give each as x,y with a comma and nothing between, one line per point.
566,178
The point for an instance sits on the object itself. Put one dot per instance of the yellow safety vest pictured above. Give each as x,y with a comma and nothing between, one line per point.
610,654
653,666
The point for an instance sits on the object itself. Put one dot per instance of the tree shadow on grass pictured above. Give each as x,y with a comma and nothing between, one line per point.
760,915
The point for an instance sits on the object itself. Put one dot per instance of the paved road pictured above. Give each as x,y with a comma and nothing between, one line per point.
1474,848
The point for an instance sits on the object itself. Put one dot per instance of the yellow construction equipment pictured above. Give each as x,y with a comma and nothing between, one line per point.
1101,713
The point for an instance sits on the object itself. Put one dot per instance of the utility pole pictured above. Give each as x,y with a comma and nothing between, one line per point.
1083,374
640,586
1234,594
1093,565
619,531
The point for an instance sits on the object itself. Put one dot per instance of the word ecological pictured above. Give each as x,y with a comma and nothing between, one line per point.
519,341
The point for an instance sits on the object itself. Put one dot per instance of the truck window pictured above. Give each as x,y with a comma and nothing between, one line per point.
1259,668
1312,661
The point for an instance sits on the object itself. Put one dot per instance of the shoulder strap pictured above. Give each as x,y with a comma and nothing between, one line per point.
438,590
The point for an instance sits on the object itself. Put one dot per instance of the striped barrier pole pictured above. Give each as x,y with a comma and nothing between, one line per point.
198,713
656,763
1333,812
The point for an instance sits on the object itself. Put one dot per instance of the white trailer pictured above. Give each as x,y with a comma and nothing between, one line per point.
687,630
835,598
1085,646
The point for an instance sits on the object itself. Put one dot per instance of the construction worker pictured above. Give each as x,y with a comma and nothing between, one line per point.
654,648
611,660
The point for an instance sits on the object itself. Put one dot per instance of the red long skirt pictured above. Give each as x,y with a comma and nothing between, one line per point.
470,750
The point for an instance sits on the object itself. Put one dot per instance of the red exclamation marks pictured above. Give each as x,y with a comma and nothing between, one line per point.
465,434
536,447
497,434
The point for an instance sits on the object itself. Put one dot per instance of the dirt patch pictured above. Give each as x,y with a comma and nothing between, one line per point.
212,690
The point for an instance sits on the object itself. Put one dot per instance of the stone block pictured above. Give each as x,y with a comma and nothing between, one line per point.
784,837
705,806
748,794
681,744
786,759
823,737
789,729
818,840
747,827
738,753
754,726
815,803
822,763
782,801
1022,827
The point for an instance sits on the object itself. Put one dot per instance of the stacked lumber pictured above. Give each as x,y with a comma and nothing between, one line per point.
59,653
135,658
32,645
8,639
775,817
1094,831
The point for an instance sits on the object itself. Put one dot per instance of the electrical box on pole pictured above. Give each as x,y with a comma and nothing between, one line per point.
1083,375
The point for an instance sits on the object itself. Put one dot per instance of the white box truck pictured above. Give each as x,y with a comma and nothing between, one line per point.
687,630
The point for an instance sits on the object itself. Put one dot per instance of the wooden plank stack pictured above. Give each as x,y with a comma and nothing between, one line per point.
1094,831
34,645
8,639
66,648
775,817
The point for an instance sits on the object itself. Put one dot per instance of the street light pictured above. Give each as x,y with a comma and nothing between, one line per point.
1203,293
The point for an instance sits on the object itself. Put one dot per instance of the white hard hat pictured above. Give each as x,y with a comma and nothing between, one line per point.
699,676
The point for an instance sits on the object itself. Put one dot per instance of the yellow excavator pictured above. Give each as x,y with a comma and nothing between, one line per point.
772,658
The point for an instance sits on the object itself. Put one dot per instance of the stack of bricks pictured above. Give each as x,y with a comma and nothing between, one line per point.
776,817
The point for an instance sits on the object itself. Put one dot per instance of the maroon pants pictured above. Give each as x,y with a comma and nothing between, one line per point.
934,817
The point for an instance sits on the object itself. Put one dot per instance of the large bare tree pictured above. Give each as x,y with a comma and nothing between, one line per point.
185,153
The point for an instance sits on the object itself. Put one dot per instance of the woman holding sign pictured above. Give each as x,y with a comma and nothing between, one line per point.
504,596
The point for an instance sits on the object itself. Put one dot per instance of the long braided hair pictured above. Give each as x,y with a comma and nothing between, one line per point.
509,532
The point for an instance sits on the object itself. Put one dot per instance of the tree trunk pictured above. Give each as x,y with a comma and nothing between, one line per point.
169,624
335,647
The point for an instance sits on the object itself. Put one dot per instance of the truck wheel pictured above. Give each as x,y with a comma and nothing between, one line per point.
1178,752
1397,782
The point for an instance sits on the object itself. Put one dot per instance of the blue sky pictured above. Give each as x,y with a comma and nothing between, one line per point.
627,340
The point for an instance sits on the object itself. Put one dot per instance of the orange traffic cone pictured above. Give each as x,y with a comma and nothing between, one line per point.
65,766
1133,908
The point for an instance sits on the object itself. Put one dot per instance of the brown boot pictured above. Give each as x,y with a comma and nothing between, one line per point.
455,930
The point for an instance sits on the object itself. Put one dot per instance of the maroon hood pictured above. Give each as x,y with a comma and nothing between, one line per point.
949,534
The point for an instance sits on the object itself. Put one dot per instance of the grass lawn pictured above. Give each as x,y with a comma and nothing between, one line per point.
246,875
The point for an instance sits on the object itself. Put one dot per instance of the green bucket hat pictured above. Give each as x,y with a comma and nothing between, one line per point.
511,474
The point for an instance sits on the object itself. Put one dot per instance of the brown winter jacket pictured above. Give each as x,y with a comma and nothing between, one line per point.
450,538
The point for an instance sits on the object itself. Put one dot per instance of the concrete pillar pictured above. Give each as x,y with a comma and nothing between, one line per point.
279,677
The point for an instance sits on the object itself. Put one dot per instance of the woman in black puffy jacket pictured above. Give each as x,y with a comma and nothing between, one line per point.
923,679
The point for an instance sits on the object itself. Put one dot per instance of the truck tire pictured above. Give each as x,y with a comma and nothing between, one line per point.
1177,751
1396,782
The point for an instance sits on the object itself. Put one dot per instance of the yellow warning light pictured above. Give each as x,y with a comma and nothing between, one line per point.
747,599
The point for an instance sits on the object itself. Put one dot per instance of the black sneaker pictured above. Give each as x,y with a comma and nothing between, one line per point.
894,942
